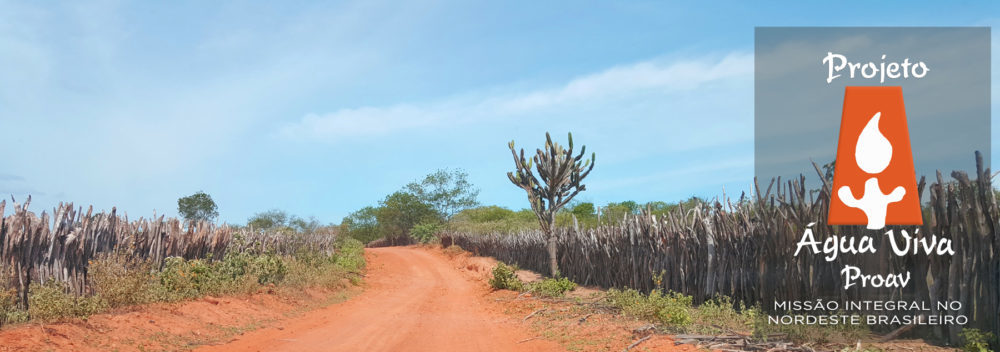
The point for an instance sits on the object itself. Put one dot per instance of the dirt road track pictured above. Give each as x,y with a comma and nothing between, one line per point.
414,301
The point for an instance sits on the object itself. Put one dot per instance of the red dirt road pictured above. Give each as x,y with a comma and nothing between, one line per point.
414,301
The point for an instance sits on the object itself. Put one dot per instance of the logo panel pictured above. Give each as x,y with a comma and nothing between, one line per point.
874,182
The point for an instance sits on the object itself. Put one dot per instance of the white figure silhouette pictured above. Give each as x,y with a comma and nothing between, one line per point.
873,154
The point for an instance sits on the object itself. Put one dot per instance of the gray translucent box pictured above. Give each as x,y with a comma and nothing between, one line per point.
797,107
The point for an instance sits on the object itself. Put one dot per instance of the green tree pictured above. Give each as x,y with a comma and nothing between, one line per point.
400,211
525,214
279,220
197,207
692,202
487,213
361,225
615,212
583,210
304,225
269,220
630,206
448,191
660,208
491,218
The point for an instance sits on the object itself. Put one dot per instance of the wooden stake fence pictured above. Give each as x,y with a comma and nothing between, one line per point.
744,250
36,249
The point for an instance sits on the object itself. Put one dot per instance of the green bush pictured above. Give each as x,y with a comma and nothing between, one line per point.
50,301
303,274
120,281
236,272
720,315
268,269
233,265
553,287
351,255
493,218
976,340
486,214
331,271
424,232
9,311
672,309
505,278
182,279
117,280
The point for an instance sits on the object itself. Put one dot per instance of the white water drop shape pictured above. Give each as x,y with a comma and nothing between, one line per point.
873,154
873,151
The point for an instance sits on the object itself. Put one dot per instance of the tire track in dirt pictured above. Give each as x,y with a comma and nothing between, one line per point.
414,301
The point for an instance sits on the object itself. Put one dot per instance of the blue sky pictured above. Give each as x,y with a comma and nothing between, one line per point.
322,108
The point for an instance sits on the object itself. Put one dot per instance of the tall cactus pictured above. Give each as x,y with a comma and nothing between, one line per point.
560,173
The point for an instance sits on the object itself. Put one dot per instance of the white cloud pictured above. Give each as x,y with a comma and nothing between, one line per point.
364,121
642,78
10,177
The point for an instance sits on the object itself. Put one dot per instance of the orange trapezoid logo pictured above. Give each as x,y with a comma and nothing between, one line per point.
874,182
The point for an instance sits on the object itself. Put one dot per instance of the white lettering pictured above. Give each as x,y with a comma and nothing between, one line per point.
836,63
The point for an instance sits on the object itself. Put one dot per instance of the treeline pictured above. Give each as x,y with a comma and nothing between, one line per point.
492,218
279,221
200,207
446,201
414,213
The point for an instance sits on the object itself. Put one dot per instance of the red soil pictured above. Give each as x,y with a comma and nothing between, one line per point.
165,326
415,299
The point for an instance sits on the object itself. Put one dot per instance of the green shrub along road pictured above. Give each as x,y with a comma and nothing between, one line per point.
118,281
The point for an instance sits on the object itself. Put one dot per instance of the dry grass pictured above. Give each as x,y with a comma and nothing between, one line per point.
119,281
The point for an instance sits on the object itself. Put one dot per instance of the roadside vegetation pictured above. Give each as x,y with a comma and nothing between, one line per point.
118,281
977,340
552,288
505,278
674,313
